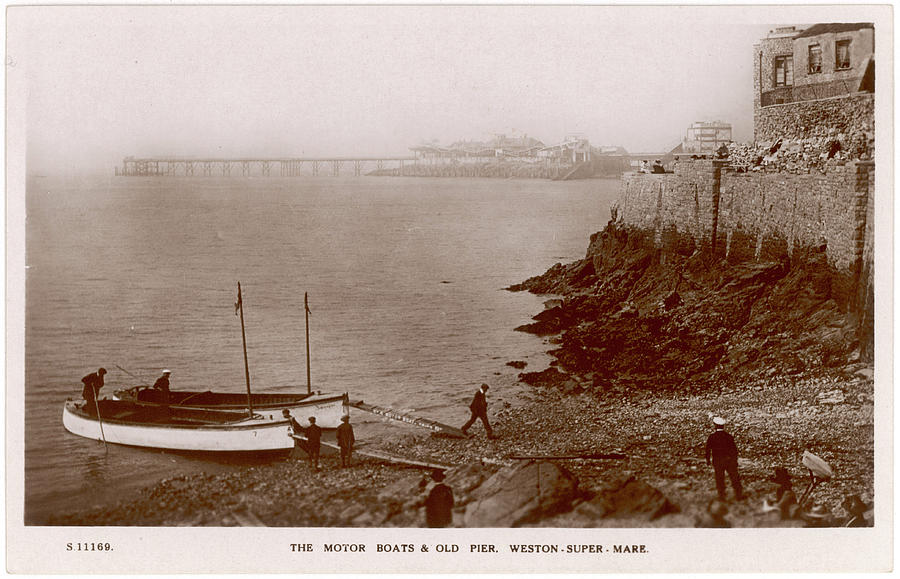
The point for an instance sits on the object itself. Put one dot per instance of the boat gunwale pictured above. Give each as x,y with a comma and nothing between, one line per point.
249,423
256,406
286,402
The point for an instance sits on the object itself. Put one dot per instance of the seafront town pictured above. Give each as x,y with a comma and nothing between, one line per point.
732,292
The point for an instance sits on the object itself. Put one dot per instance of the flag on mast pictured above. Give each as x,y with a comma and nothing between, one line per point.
238,303
305,303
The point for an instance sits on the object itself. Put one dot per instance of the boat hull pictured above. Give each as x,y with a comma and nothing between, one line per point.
327,408
262,434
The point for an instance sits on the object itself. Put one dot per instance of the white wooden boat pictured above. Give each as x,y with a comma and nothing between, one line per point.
154,426
327,408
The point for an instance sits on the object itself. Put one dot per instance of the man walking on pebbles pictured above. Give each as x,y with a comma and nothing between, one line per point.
478,407
720,446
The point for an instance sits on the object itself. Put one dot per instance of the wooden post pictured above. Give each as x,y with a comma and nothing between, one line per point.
240,306
306,307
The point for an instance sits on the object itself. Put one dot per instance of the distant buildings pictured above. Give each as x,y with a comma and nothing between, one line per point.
574,149
480,151
704,138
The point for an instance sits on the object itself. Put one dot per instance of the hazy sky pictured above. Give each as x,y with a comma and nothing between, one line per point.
102,83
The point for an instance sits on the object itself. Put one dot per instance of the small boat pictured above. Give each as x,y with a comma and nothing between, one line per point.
327,408
153,426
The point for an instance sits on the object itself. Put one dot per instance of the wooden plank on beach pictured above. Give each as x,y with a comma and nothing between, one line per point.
589,456
409,419
246,518
382,455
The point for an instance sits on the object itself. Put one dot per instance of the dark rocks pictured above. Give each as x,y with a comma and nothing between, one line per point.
548,322
646,318
522,494
517,364
546,378
631,498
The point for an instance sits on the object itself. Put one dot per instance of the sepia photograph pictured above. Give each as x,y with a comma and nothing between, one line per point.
448,288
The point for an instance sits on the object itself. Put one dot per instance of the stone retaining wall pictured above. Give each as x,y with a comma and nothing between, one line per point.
850,116
757,216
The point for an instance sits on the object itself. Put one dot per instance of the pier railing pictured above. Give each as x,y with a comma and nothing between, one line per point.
249,167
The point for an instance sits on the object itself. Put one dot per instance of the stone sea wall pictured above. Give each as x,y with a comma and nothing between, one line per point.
850,119
761,216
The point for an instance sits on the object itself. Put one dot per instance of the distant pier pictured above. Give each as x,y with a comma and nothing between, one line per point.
260,167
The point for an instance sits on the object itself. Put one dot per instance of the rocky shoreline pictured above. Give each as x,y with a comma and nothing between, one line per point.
648,346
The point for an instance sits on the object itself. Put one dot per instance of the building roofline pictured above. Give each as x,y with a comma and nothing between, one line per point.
833,28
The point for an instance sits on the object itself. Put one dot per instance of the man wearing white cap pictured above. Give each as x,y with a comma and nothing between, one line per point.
720,446
162,385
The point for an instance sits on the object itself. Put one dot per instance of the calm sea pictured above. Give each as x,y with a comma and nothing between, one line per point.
404,277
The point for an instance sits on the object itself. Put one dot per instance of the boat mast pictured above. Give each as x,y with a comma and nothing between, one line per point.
240,306
306,307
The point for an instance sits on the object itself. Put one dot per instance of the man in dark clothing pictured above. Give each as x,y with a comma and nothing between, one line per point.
720,446
439,504
345,440
162,386
295,429
313,444
478,407
93,382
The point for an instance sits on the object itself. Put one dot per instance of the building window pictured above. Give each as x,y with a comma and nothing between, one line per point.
815,58
784,70
842,54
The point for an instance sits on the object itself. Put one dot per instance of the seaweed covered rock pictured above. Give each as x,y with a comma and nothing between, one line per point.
640,317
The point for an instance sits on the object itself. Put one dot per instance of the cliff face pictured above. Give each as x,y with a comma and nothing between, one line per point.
639,318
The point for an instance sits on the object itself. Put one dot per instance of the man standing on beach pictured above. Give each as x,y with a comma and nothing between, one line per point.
478,407
297,430
93,382
345,440
720,445
313,444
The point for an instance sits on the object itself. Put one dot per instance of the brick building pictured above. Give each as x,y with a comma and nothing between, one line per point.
814,82
822,61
